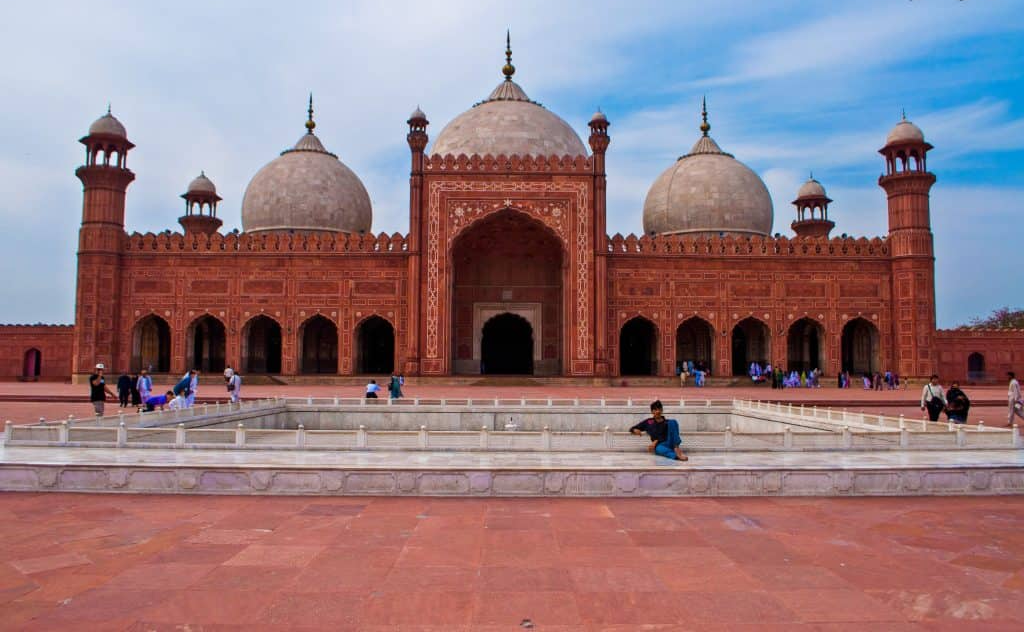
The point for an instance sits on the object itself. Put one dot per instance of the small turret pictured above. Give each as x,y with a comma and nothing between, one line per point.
200,207
812,210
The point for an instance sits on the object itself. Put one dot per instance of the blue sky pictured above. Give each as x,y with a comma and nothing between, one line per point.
791,87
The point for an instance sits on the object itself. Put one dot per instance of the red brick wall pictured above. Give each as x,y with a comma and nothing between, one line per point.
1002,350
54,343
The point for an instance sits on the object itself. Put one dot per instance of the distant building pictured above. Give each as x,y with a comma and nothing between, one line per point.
507,267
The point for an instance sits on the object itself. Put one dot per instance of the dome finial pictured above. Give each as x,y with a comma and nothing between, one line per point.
811,175
108,109
508,70
309,122
704,126
903,113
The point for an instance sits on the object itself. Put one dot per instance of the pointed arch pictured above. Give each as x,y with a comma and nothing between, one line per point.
375,346
805,342
318,345
151,345
751,342
206,344
860,346
506,346
695,342
976,366
638,347
32,363
261,345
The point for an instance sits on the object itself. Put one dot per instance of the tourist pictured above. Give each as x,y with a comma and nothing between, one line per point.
98,390
664,434
136,395
394,389
1014,401
183,385
193,388
933,398
957,404
178,402
144,384
124,390
233,382
158,400
775,378
401,383
698,377
372,389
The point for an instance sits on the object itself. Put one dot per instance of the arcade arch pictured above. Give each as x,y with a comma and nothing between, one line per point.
695,340
805,346
207,344
506,346
32,364
638,347
375,346
860,349
151,345
318,346
261,345
751,342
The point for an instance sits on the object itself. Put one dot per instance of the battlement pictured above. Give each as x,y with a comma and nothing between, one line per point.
437,163
744,246
268,242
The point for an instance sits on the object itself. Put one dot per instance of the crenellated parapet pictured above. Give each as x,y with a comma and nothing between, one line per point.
352,243
501,163
730,245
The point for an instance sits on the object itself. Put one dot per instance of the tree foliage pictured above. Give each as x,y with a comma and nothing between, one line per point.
1002,318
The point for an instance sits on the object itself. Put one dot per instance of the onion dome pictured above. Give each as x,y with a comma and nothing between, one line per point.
306,188
508,122
201,184
905,132
108,125
708,192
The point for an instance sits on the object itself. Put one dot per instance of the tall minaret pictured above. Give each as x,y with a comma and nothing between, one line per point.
599,140
417,139
907,183
105,177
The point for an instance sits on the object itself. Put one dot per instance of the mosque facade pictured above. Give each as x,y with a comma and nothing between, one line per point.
507,268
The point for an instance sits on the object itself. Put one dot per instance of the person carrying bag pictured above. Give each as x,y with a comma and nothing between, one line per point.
933,398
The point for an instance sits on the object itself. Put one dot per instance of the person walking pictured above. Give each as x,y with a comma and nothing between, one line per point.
394,388
136,396
1014,400
957,404
144,384
98,390
933,398
124,389
233,382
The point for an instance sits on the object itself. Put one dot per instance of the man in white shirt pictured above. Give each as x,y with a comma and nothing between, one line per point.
1013,399
933,398
233,381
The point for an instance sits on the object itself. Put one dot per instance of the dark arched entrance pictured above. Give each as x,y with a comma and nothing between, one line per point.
976,366
261,352
695,341
806,346
507,262
319,351
750,343
151,345
375,346
860,347
32,364
208,342
507,346
638,348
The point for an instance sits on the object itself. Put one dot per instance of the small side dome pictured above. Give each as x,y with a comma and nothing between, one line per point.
417,115
599,117
202,184
108,125
905,132
811,188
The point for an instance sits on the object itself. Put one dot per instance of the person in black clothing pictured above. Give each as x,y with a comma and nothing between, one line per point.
664,434
136,395
124,389
98,390
957,404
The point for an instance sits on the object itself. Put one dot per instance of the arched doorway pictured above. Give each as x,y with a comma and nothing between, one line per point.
695,340
860,347
750,343
208,342
32,364
261,351
976,366
507,262
375,346
319,350
638,347
151,345
806,346
507,346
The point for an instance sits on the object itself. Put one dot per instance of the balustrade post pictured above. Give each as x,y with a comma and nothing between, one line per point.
8,431
904,438
179,436
240,436
545,439
728,437
483,437
607,438
300,436
361,437
787,438
847,438
62,433
423,437
122,435
961,437
1015,440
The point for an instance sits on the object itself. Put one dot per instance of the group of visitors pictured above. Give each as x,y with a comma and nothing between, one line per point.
395,384
935,400
137,390
699,371
796,379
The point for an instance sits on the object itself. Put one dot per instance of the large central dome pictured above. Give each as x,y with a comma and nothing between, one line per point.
508,123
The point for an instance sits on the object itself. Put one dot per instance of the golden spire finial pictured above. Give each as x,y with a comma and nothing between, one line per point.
309,122
508,70
704,126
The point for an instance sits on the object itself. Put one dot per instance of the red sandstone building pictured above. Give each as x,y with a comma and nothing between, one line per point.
507,268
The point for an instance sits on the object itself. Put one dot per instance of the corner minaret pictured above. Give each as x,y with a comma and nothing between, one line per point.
105,178
200,207
599,141
812,210
417,139
907,183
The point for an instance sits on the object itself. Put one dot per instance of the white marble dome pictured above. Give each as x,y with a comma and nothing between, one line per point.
905,132
708,192
306,188
508,123
108,125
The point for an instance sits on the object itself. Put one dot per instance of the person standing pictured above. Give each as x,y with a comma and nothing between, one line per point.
144,384
933,398
1014,401
193,388
957,404
124,389
664,434
98,390
136,396
394,389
